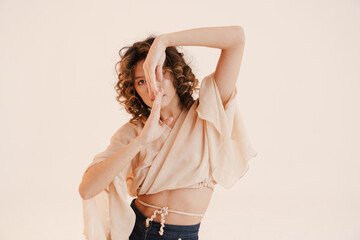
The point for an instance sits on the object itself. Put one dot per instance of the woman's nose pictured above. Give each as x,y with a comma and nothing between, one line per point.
151,94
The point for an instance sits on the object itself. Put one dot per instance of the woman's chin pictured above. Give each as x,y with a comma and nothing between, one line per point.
163,106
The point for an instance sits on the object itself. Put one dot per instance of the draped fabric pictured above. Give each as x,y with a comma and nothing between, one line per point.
207,141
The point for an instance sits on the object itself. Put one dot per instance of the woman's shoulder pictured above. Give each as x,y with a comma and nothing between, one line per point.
203,85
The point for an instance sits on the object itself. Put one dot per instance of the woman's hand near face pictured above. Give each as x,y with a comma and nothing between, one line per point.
153,65
153,129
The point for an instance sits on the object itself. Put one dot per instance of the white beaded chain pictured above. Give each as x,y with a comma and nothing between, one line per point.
163,212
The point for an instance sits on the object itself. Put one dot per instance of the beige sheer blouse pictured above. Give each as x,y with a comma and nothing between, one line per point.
208,143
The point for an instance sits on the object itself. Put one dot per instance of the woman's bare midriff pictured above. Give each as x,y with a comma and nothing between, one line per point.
190,200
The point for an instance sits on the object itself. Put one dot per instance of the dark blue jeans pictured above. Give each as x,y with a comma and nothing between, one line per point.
171,232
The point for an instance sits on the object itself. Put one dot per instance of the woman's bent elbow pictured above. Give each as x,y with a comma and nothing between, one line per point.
84,194
240,34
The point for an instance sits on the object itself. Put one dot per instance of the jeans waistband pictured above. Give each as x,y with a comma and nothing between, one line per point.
169,227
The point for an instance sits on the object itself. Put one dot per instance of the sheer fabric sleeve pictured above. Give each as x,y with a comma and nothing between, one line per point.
110,203
229,145
121,138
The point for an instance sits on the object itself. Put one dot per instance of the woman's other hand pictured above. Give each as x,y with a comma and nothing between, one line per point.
153,129
153,65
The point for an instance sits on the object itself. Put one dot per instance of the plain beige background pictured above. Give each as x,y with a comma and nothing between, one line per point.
299,95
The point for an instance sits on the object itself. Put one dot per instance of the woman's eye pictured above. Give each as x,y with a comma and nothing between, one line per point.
141,82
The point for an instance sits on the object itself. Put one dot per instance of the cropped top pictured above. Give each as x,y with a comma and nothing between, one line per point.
207,145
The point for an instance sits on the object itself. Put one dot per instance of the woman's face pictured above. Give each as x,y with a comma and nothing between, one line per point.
142,88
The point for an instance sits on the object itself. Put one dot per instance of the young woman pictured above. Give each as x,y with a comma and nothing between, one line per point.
175,148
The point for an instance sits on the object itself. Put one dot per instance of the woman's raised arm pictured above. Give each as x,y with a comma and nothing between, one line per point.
230,39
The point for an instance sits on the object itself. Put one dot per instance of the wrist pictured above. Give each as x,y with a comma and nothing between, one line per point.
163,40
139,141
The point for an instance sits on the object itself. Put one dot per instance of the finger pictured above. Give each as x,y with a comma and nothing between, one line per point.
168,121
145,68
148,76
159,73
158,97
157,104
153,81
152,88
150,92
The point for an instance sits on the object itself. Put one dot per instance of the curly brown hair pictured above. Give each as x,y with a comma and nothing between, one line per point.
184,82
